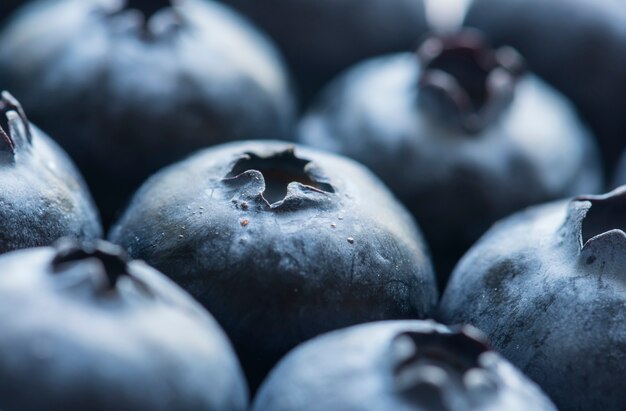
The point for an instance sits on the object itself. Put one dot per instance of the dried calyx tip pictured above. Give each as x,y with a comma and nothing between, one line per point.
607,213
278,170
428,362
113,259
14,125
465,83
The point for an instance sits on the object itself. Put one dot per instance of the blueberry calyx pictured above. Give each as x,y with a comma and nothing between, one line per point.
279,180
604,217
464,83
428,364
150,21
113,260
15,130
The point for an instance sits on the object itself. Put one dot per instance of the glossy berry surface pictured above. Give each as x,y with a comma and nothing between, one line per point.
128,87
83,328
280,243
547,286
321,38
398,365
460,133
42,195
576,45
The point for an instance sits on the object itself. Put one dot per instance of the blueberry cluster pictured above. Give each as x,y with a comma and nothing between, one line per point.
312,205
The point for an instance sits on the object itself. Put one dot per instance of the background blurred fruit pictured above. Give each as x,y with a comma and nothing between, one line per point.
127,92
576,45
321,38
459,133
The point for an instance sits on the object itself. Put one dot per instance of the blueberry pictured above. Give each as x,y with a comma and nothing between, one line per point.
42,195
84,328
576,45
129,88
280,243
461,134
398,365
321,38
547,286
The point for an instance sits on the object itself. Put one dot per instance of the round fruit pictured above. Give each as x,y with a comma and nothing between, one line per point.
42,195
280,243
576,45
129,88
547,286
320,38
398,365
459,133
83,328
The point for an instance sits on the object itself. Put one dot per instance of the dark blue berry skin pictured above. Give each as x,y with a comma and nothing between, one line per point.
577,46
398,365
547,286
321,38
84,328
280,243
126,95
42,195
461,142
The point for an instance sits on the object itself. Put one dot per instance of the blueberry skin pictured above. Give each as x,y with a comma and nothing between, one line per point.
126,98
576,45
336,251
321,38
398,365
546,285
42,195
85,329
457,183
